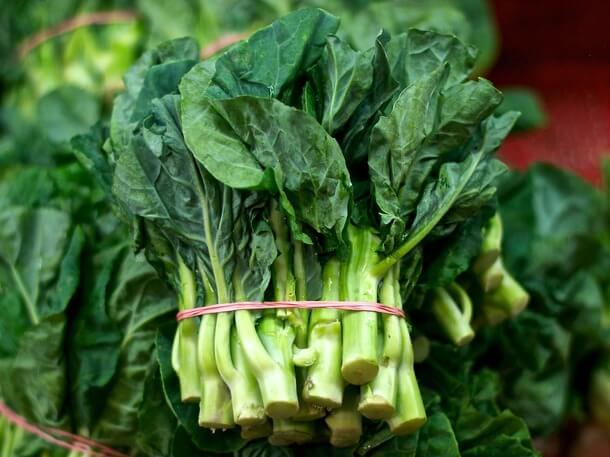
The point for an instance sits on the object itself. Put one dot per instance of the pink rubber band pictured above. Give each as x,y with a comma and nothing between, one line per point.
250,306
73,442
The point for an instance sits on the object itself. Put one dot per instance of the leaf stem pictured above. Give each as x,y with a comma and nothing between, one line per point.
29,305
423,229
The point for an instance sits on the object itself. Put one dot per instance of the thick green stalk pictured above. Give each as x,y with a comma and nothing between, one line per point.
278,385
287,432
507,300
360,329
301,294
307,410
215,407
254,432
230,359
491,278
454,317
491,245
345,423
324,383
378,398
184,353
270,344
6,449
276,382
421,348
410,412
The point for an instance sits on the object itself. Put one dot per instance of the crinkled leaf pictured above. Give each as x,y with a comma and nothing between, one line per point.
354,137
266,63
397,155
156,422
39,274
345,77
417,53
253,143
421,130
114,337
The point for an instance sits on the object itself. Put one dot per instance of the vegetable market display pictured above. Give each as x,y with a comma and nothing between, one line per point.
295,167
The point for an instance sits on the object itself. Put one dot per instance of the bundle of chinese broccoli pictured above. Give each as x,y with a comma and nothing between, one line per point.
291,167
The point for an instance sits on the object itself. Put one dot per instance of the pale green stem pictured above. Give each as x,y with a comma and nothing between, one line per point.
454,317
324,383
491,278
229,341
270,345
491,245
507,300
360,329
307,411
345,422
410,412
184,357
254,432
7,441
378,398
215,407
287,432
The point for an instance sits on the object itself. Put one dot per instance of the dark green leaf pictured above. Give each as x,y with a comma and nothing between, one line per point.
345,77
113,341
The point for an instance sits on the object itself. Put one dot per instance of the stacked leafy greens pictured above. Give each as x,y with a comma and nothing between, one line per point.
557,244
80,312
293,167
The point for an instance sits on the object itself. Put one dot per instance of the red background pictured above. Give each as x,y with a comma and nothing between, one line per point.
561,49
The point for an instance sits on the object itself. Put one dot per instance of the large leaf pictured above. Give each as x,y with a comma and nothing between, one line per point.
156,73
254,143
160,181
354,137
415,54
264,65
113,340
344,77
39,274
156,421
460,189
398,160
422,128
469,399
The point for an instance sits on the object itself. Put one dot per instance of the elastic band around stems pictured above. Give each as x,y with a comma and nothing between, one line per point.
82,20
251,306
73,442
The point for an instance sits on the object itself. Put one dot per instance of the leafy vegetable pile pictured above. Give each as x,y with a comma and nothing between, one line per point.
294,167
